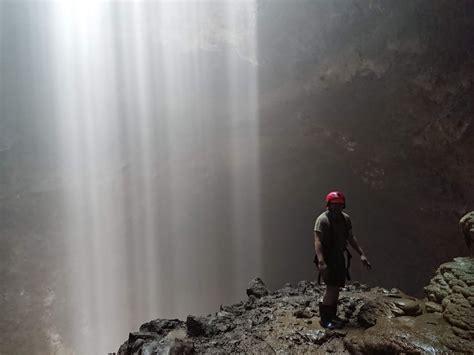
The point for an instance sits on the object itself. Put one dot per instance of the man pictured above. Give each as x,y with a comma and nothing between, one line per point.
332,231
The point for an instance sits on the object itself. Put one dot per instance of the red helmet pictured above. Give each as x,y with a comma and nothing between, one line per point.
336,197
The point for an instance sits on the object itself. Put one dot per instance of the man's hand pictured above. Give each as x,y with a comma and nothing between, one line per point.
366,263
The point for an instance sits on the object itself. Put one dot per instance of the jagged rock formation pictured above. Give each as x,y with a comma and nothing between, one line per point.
467,227
287,320
257,288
452,294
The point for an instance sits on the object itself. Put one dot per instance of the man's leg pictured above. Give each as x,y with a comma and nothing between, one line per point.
328,309
331,296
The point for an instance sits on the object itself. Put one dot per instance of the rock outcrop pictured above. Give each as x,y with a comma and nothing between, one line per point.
380,321
257,288
467,227
451,293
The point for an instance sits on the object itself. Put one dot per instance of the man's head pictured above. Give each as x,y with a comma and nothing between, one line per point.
335,201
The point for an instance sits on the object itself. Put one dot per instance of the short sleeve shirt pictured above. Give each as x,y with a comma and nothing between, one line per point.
341,226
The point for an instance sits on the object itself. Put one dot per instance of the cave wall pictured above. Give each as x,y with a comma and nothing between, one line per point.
372,98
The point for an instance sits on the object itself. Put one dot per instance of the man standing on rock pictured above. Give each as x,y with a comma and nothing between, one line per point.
332,231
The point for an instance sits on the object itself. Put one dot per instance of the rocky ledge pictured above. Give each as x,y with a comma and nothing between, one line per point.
287,321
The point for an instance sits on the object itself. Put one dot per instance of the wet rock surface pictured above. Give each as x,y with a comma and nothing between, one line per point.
287,320
451,293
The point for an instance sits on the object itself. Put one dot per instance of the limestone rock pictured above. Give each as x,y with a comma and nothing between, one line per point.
257,288
387,306
459,313
467,227
452,289
200,326
161,326
371,311
179,346
379,321
136,341
402,305
394,336
432,307
459,272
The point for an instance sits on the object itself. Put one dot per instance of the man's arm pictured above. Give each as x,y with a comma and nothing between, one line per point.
319,251
317,246
355,244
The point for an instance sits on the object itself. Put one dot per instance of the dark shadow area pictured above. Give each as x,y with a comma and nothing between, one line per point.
370,98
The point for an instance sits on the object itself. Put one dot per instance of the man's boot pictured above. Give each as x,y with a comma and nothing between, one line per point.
325,314
338,322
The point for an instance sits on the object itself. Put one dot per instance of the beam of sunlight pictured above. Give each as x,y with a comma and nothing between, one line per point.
243,107
86,120
157,116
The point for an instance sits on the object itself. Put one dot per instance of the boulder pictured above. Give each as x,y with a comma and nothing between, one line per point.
467,227
161,326
451,291
402,305
371,311
388,306
257,288
200,326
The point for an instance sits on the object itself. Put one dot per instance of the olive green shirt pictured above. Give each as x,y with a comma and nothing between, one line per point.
341,226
